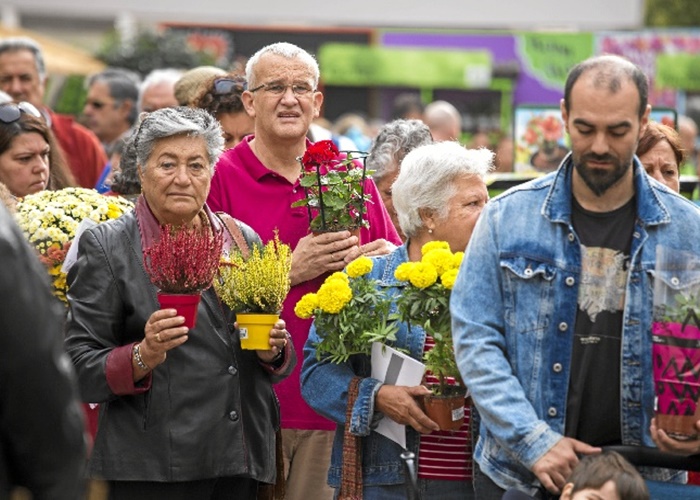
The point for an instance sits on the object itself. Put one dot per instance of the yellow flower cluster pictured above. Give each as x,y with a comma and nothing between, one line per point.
437,262
49,220
258,284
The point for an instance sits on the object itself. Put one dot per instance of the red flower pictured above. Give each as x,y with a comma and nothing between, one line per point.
319,153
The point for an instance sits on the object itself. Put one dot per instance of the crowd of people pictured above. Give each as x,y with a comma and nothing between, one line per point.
551,310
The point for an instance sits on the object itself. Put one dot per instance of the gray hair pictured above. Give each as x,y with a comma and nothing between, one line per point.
15,44
156,77
284,49
123,85
169,122
393,142
427,180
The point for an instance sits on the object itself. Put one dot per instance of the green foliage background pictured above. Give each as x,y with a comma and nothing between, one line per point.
672,13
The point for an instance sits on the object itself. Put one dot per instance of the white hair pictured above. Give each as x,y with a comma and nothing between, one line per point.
284,49
427,180
157,77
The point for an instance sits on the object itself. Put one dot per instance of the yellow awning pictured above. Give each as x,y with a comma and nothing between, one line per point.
61,58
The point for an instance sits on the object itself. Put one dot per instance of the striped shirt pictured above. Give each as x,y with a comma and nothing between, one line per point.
445,455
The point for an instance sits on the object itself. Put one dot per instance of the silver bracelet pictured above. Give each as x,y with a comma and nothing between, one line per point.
139,359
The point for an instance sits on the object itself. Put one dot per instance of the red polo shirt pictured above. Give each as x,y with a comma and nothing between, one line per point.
247,190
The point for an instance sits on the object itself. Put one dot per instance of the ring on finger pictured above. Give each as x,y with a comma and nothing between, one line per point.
158,337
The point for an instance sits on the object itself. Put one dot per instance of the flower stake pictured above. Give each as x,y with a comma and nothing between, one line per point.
333,181
182,264
255,289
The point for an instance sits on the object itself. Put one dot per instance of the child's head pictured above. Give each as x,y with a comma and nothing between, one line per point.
607,476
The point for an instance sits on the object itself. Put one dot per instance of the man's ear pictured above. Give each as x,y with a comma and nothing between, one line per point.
318,102
247,100
564,115
644,121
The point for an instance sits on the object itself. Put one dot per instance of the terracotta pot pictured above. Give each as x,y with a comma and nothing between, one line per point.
446,410
254,330
185,304
676,361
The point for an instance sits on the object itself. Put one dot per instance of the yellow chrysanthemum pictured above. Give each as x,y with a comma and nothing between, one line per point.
432,245
448,278
333,295
49,220
339,275
403,271
457,259
440,258
359,267
423,275
304,309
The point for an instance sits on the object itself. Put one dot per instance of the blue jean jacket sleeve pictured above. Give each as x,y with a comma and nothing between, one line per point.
324,386
479,332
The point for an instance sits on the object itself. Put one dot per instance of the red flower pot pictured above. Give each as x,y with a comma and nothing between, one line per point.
185,304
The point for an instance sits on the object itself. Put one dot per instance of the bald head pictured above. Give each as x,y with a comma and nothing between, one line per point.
444,121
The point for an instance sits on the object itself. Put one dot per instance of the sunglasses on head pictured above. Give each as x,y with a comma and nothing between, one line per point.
11,111
223,86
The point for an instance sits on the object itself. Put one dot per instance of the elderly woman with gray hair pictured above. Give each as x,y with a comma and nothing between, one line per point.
438,195
184,414
393,142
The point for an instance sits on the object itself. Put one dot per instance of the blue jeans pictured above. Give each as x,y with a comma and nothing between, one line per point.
429,490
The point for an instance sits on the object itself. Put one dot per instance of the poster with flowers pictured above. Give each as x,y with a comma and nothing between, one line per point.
540,139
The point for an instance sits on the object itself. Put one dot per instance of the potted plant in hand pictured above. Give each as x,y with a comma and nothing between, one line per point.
425,301
334,182
255,288
676,343
182,264
350,313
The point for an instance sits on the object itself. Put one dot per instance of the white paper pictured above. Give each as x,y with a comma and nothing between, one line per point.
394,368
72,254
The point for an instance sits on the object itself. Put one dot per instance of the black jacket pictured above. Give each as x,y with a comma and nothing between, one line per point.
42,439
210,410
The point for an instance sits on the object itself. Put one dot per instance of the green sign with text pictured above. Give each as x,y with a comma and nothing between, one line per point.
363,65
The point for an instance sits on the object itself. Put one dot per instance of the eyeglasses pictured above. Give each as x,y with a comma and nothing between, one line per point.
11,111
299,89
225,86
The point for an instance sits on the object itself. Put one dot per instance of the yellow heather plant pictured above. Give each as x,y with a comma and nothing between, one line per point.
349,313
425,301
258,284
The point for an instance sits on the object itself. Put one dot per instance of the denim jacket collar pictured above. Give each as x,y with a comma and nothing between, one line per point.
557,205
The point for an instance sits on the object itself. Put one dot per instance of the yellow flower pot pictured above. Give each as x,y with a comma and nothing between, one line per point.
254,330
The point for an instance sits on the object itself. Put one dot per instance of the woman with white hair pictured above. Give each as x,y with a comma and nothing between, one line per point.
438,195
184,413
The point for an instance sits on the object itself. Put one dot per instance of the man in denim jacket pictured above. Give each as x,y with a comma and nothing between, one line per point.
552,309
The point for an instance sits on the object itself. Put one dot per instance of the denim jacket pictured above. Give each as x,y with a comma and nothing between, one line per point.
513,312
324,386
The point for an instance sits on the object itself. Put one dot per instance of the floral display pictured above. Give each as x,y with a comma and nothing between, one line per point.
334,184
425,301
50,219
349,312
258,283
184,260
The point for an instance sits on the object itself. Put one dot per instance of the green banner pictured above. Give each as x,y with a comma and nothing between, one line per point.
363,65
550,56
678,71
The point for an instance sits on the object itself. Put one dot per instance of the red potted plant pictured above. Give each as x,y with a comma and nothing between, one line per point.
182,264
334,182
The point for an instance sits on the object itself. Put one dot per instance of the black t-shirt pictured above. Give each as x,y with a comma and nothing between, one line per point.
593,404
